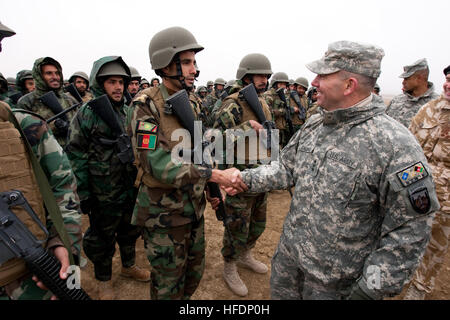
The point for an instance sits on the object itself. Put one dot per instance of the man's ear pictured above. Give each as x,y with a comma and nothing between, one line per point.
351,85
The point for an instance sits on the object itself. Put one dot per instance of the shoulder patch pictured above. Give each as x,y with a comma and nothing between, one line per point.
412,174
146,135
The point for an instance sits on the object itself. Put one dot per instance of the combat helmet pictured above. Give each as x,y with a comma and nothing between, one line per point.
302,82
5,31
254,63
115,67
167,43
220,81
202,89
79,74
279,77
134,74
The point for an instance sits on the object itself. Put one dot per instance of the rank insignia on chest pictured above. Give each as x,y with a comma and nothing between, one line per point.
412,174
146,141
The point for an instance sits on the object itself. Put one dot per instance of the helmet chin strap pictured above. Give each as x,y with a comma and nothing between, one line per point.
179,76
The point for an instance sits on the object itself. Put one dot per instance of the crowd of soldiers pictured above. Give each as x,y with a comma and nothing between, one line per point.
362,190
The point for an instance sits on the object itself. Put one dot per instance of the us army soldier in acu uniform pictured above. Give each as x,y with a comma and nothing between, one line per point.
105,183
170,201
417,91
364,196
248,210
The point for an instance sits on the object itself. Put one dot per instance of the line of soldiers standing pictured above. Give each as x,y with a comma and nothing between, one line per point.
153,195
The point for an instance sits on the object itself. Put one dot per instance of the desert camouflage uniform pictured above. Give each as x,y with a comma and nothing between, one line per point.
56,167
247,209
405,106
170,201
350,218
431,126
105,183
31,101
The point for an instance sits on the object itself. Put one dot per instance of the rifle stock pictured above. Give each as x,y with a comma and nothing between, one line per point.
302,113
280,93
18,241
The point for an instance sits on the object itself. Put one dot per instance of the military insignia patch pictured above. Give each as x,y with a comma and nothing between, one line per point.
419,198
146,141
412,174
146,127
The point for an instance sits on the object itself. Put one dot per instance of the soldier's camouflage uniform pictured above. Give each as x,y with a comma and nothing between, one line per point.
296,122
56,167
32,103
105,183
170,201
405,106
248,210
278,111
431,126
351,220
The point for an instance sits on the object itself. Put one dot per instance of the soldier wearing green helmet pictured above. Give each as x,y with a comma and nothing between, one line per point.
248,211
135,82
213,96
171,198
81,83
300,86
209,86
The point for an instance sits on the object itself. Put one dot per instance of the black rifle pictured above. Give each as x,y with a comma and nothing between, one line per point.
249,94
60,117
179,105
296,97
17,241
74,92
128,97
103,108
15,97
287,116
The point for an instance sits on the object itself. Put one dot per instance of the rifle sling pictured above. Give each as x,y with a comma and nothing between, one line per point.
46,191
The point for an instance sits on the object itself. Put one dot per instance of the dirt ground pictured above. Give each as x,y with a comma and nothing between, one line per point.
212,285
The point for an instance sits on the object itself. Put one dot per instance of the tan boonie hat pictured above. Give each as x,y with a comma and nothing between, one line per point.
414,67
350,56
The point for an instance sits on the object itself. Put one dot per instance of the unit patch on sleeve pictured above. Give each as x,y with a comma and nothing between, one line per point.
146,133
412,174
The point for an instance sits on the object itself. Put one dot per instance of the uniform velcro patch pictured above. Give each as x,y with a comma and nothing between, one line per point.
146,127
412,174
146,141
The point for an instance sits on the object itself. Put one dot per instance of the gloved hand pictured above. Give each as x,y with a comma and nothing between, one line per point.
86,206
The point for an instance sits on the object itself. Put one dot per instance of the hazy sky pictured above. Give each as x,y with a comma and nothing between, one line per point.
289,33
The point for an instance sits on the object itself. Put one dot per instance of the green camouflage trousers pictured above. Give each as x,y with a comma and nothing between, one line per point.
177,259
249,222
99,242
24,288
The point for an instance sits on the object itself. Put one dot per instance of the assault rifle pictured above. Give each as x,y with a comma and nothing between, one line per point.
74,92
15,97
103,108
179,105
16,241
249,94
280,93
302,113
60,117
128,97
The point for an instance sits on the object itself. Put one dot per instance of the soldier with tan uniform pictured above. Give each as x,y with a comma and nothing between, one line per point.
171,199
300,86
431,126
248,210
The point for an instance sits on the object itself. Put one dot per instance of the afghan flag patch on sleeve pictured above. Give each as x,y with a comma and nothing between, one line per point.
146,133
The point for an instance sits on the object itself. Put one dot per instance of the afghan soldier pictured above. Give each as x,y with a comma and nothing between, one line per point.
300,85
105,181
214,95
155,82
133,86
202,92
47,75
171,200
24,85
277,107
81,83
248,211
4,90
364,196
218,104
431,127
313,106
417,91
144,84
209,86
